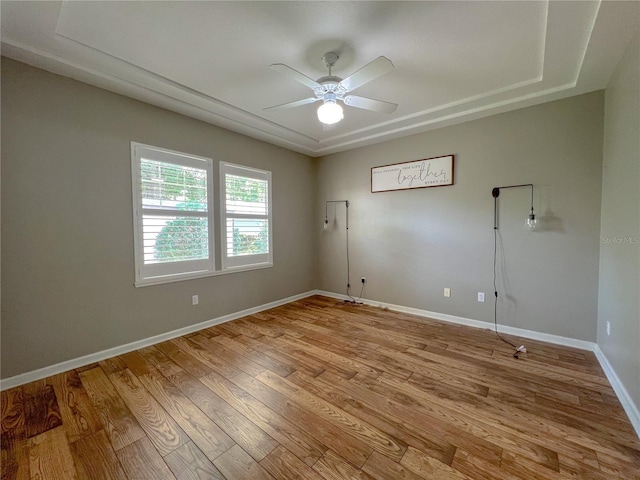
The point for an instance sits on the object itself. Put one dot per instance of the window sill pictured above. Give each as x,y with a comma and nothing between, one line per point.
148,282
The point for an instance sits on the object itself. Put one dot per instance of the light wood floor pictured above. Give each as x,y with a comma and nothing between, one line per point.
319,389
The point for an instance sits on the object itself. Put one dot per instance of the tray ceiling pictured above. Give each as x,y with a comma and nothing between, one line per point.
454,61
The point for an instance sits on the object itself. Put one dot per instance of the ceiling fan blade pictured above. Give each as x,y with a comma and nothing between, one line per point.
293,104
379,66
295,75
370,104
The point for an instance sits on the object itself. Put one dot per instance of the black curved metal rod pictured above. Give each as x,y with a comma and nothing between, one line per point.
495,193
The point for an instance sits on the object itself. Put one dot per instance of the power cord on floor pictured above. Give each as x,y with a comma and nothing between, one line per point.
354,301
519,349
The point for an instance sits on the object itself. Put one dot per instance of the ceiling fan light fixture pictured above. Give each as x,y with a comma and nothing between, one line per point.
330,112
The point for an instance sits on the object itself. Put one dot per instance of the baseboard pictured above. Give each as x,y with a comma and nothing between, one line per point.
629,406
519,332
129,347
625,399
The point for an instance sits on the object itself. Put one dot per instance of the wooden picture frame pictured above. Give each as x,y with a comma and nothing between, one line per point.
425,173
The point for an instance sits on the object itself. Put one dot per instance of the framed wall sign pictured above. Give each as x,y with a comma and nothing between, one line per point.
429,172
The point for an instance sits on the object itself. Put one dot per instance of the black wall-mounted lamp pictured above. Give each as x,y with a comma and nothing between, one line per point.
326,212
531,223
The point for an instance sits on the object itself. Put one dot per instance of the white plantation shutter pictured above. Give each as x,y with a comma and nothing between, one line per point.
172,213
246,216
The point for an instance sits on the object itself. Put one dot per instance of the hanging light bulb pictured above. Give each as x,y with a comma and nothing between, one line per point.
330,112
531,222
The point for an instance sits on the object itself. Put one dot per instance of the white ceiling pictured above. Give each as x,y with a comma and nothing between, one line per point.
454,60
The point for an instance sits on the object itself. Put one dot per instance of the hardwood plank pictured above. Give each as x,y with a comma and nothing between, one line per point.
12,407
441,450
187,362
41,407
237,464
241,330
364,354
79,416
381,467
283,464
576,417
117,420
352,448
136,363
161,429
244,363
277,367
310,367
188,462
243,431
112,365
428,467
420,423
296,440
141,461
160,361
197,347
209,438
50,456
490,372
557,436
255,323
478,469
520,466
14,460
94,458
375,438
503,437
345,362
332,466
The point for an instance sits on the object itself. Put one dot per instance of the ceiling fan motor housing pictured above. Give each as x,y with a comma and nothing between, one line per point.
330,59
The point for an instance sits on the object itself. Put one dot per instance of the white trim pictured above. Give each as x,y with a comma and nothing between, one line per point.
129,347
192,276
630,408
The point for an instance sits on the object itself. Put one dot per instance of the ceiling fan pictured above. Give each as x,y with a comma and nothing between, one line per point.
331,89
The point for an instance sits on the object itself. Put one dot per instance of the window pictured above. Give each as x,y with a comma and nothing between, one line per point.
246,216
175,213
172,214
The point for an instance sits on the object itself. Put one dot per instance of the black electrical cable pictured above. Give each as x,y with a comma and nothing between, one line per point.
326,221
353,300
495,275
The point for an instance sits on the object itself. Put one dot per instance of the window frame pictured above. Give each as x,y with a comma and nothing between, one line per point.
250,261
152,274
215,210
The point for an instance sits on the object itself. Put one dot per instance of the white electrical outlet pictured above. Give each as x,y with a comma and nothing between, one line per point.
481,296
194,299
447,292
608,328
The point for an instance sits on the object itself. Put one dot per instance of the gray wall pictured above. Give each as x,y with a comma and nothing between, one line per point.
67,235
619,302
412,244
